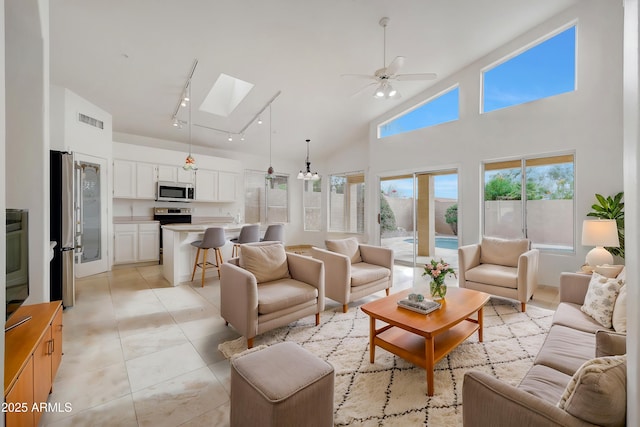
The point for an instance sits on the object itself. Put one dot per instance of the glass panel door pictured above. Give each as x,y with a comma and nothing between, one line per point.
91,211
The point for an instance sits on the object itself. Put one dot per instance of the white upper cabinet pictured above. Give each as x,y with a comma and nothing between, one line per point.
146,181
206,186
132,180
227,186
124,182
169,173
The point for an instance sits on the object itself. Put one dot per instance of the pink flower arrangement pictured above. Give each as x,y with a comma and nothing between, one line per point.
438,271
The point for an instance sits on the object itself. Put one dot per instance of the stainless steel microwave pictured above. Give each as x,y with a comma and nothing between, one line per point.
175,192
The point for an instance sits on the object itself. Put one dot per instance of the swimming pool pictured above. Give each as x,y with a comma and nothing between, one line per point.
442,242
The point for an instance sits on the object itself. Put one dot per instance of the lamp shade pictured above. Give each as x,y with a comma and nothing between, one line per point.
600,232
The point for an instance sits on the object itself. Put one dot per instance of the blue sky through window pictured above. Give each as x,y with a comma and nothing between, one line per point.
544,70
441,109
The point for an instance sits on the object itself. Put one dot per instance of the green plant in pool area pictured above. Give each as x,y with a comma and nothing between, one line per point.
451,217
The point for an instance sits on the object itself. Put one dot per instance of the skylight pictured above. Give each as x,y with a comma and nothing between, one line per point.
225,95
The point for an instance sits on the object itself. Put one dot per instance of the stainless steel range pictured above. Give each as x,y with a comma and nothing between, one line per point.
171,216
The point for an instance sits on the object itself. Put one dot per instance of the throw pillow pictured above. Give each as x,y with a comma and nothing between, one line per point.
349,247
600,298
502,251
597,392
607,270
266,262
619,317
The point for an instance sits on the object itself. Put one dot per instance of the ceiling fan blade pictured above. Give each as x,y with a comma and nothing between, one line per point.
395,65
419,76
362,89
360,76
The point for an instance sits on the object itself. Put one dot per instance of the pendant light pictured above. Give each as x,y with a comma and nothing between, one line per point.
307,175
189,162
270,172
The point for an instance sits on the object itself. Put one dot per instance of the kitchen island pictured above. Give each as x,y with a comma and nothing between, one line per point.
178,254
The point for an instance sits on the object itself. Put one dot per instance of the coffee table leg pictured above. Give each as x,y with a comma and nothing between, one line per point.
429,355
372,335
480,321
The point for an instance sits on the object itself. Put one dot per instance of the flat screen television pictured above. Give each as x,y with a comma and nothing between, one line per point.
17,266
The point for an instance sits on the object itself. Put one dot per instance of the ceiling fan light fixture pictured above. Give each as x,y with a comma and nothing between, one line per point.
391,92
379,93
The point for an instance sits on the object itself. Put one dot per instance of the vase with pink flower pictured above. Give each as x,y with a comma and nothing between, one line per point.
437,272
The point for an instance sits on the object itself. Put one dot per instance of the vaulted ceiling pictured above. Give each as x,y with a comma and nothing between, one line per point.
133,58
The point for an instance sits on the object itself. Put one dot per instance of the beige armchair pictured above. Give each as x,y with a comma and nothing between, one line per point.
267,288
501,267
354,270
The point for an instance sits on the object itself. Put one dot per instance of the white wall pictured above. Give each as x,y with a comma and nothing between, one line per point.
587,122
632,201
27,132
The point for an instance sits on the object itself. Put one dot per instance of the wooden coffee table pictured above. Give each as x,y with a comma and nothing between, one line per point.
424,339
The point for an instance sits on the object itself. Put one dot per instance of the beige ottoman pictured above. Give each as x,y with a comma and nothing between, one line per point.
281,385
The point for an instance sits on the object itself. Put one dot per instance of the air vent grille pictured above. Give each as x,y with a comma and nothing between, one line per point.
91,121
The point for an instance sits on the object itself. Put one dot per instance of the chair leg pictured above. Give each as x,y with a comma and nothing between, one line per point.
524,306
204,264
219,261
249,342
345,308
317,319
235,252
387,291
195,264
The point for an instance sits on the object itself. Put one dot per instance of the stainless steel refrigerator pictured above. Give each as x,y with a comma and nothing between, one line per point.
62,227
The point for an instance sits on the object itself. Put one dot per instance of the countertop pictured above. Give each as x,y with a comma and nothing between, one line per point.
133,220
201,227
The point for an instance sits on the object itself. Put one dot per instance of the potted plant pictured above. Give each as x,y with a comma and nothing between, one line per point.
611,208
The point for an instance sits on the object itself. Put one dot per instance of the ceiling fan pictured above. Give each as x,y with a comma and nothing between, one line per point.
384,75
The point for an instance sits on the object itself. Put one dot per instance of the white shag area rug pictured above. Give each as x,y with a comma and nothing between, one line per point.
393,392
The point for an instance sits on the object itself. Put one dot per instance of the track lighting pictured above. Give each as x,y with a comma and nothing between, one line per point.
230,138
175,122
259,120
242,137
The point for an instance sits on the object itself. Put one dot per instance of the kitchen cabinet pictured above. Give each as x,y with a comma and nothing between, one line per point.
169,173
227,186
136,242
133,180
206,185
33,352
216,186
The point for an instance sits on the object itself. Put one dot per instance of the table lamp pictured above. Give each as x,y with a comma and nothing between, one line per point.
600,233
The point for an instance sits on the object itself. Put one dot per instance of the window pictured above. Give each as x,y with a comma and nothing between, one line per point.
266,201
544,70
346,203
312,205
543,211
440,109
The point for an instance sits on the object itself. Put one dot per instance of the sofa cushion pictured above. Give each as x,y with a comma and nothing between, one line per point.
349,247
498,275
607,270
600,298
619,316
597,392
569,314
545,383
502,251
284,293
363,273
566,349
266,262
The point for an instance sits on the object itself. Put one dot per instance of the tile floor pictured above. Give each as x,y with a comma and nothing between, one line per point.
139,352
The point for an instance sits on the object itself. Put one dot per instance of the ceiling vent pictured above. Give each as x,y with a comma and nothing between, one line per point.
90,121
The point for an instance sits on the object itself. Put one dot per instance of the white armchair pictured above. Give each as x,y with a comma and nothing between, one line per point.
267,288
505,268
354,270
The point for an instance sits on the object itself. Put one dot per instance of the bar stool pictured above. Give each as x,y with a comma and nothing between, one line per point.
248,234
274,233
213,239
